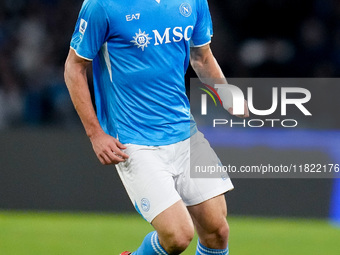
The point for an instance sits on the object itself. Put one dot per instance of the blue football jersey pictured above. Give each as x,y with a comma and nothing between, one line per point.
140,52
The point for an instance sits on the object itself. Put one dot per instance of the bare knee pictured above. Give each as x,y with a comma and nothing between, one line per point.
222,233
175,242
216,237
175,228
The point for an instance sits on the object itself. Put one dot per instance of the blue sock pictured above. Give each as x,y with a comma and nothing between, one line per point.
201,250
150,246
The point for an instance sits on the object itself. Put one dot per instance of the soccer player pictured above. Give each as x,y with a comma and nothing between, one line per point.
140,51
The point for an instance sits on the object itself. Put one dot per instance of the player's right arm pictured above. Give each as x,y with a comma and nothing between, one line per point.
107,148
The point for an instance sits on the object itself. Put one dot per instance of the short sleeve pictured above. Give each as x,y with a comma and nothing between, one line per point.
203,30
91,30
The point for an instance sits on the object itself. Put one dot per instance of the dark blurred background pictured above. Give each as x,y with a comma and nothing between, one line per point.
46,161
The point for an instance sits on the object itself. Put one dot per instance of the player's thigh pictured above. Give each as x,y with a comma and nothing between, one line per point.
210,215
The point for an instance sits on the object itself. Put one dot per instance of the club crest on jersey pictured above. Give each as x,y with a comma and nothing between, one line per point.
185,9
141,40
82,26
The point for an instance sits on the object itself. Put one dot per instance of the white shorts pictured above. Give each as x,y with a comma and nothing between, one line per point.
156,177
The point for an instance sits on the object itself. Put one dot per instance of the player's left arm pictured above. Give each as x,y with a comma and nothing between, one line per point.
208,70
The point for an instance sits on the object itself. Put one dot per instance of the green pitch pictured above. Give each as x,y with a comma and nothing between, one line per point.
107,234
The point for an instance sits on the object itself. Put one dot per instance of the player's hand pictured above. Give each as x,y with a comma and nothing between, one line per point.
246,111
108,149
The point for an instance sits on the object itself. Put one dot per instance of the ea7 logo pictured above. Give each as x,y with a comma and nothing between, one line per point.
132,17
